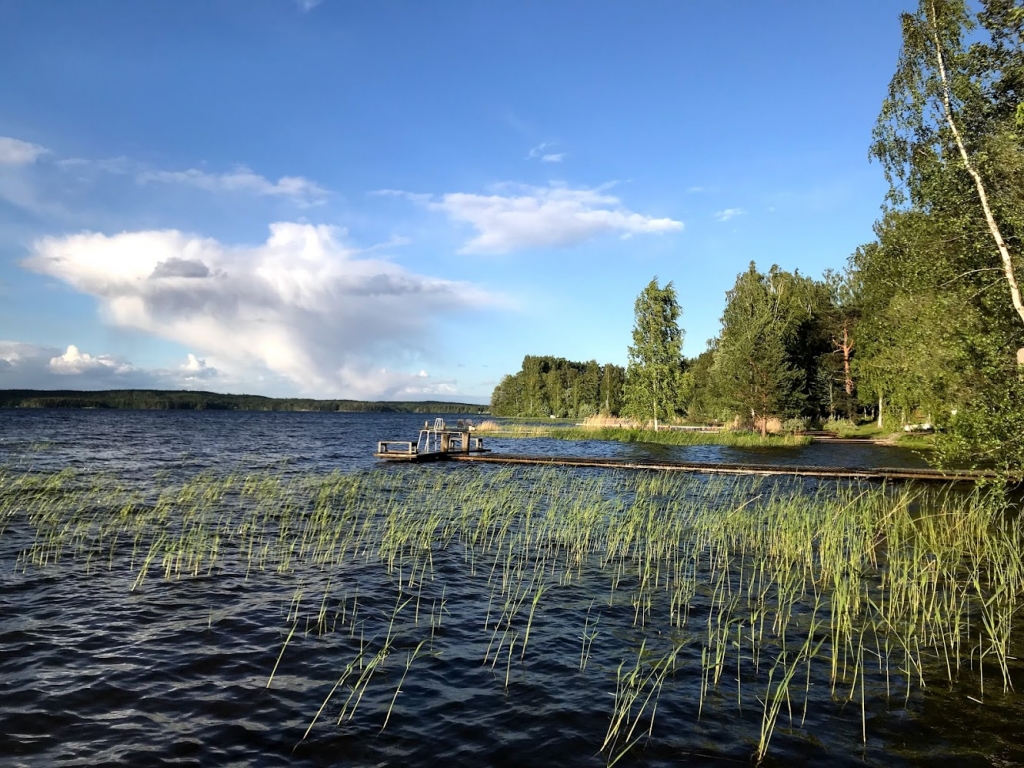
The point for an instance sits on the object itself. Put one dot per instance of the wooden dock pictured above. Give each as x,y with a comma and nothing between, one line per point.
839,473
442,442
436,443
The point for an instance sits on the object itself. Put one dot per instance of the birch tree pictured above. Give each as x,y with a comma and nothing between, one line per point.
655,357
930,98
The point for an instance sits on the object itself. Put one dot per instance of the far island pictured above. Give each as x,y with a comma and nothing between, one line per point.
164,400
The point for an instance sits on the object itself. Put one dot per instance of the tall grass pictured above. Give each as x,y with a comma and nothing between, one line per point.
878,591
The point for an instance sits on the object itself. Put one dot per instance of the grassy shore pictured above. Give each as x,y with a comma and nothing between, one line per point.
741,439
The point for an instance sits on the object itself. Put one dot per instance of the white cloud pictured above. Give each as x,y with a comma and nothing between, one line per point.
539,153
195,370
729,213
62,187
539,217
74,362
17,152
301,306
369,383
305,6
34,366
241,179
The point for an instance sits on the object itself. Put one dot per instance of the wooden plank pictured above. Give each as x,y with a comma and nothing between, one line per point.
879,473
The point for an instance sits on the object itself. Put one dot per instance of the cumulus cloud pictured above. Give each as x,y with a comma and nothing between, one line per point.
17,152
74,362
302,306
195,369
537,217
35,366
241,179
729,213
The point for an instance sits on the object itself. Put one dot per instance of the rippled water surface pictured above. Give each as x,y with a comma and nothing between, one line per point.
100,667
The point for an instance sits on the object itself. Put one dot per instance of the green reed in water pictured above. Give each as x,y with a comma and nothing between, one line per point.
769,580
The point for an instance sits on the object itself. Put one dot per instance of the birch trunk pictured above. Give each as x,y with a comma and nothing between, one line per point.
847,348
993,227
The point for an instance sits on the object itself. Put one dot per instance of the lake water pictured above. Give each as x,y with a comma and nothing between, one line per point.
127,442
175,671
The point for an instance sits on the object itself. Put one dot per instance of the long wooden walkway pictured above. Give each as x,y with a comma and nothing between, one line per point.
844,473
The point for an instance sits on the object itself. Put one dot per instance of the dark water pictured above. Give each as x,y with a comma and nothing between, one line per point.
175,673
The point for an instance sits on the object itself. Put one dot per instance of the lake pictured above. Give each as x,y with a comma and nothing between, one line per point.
225,588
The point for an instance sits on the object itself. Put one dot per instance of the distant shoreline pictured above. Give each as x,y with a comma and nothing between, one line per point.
189,400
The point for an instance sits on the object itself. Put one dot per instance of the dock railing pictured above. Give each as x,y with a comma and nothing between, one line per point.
404,447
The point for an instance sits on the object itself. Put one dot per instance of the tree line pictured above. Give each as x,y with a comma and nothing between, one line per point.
926,322
553,386
165,400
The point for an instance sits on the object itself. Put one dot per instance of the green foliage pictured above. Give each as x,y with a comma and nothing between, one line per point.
734,438
655,357
763,324
554,386
940,334
698,397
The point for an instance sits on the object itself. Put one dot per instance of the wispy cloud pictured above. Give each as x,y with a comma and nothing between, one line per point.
241,179
17,152
540,152
302,306
305,6
729,213
38,180
538,217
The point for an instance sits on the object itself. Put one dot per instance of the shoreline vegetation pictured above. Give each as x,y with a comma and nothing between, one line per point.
637,434
626,431
171,400
924,327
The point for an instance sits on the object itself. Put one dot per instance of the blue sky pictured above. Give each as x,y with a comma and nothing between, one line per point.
399,200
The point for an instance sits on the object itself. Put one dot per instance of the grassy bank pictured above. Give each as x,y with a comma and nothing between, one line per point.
740,439
921,441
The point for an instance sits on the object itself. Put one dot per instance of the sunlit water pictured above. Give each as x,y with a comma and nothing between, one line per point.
176,671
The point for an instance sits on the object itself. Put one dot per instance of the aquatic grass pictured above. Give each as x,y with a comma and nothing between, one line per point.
776,582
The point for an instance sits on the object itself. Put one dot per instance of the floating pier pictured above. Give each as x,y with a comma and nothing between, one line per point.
841,473
442,442
435,443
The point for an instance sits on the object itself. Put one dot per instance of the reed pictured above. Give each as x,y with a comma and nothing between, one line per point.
775,582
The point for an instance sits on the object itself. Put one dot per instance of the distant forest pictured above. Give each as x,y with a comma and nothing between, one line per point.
160,400
554,386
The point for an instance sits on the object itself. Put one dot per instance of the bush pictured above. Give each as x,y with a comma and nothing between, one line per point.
839,426
795,425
